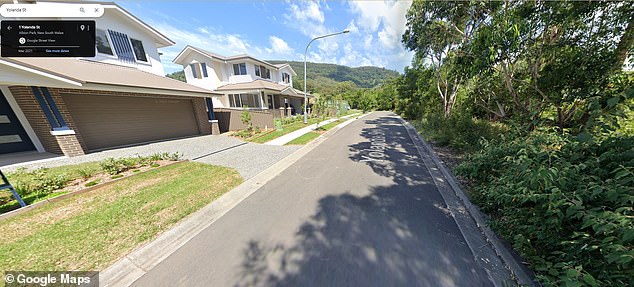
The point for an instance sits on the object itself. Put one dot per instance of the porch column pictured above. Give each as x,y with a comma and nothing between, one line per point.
261,97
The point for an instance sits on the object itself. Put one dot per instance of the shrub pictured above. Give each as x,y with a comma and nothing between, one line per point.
566,206
86,173
459,130
39,181
176,156
245,117
115,166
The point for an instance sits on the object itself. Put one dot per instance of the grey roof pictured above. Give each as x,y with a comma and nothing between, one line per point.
260,85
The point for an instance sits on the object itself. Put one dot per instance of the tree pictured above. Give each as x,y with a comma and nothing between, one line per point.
436,31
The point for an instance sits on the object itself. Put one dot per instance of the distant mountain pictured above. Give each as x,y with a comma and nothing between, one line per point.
328,78
363,77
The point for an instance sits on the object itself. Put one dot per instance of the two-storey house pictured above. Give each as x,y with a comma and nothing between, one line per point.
120,97
244,82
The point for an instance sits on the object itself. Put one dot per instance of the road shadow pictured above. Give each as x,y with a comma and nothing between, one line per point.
399,234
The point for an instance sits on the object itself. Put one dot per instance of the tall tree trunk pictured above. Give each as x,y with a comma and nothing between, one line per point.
625,45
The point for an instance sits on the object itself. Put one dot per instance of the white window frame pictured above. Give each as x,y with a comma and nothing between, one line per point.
114,53
246,70
134,52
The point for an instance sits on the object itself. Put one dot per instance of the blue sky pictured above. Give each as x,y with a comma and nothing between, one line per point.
280,30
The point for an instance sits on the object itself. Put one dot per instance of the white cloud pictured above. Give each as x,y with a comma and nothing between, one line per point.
391,14
308,11
307,18
279,46
352,27
389,38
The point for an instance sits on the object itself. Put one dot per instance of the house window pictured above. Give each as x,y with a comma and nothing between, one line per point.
244,101
122,46
262,72
199,70
203,66
137,46
286,78
193,68
210,109
232,102
240,69
102,43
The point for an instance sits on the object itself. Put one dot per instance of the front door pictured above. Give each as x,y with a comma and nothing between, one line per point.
13,138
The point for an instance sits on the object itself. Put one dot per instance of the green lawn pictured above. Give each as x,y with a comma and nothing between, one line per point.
90,231
285,130
306,138
330,125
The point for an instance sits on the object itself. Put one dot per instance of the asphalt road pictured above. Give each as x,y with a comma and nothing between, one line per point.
361,209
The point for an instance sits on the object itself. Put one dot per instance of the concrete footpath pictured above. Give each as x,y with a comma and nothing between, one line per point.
298,133
364,206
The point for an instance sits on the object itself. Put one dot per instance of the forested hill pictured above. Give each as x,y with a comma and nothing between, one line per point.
329,79
364,77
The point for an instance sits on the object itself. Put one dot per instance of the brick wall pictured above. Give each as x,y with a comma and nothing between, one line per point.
72,144
200,111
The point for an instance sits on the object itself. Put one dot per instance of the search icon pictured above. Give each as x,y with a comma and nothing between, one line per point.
81,9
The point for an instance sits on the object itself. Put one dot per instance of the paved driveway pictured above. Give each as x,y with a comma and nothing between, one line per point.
247,158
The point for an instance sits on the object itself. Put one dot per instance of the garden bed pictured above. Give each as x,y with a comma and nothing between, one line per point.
46,183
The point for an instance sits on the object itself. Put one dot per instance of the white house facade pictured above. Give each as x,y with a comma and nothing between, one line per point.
120,97
244,81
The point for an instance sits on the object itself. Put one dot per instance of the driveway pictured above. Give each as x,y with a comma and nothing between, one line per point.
248,159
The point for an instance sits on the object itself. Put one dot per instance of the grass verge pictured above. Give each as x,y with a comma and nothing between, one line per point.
286,129
330,125
90,231
306,138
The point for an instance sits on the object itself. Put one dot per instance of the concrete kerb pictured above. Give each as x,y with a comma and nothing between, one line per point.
517,270
134,265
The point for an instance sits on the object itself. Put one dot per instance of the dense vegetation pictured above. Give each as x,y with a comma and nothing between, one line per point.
536,94
178,75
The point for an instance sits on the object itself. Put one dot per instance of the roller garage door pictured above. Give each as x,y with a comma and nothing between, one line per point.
110,121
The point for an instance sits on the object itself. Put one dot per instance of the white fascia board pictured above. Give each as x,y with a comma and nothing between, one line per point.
183,53
41,73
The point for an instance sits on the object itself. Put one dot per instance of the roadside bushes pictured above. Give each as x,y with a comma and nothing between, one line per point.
459,130
565,205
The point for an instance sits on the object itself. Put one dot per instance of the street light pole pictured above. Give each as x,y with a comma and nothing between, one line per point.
305,51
